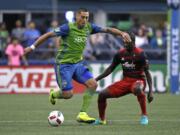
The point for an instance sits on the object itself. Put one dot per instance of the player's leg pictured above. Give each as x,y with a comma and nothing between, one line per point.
91,85
102,104
115,90
84,76
138,90
64,75
87,98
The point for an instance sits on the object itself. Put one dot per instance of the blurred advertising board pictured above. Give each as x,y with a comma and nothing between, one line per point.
174,51
39,79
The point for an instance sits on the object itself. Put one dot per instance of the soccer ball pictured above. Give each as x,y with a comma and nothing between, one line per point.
55,118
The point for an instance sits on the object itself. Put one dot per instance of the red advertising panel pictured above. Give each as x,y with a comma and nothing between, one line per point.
31,79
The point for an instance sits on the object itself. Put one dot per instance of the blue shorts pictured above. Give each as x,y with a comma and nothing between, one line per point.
66,72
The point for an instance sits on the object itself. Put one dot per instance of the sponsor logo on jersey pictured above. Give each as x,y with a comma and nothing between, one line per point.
129,65
79,39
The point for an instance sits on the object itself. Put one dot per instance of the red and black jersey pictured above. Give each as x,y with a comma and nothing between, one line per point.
133,63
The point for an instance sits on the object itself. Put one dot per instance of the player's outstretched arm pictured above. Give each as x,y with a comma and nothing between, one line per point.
108,71
149,81
38,42
111,68
125,36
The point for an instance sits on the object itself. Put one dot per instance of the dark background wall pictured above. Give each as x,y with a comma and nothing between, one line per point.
92,5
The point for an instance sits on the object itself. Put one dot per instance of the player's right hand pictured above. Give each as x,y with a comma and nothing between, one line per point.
126,37
27,50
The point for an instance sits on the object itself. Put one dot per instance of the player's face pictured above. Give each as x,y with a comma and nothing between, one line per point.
82,18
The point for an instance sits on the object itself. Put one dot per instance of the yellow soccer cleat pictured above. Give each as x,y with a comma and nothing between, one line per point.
51,98
83,117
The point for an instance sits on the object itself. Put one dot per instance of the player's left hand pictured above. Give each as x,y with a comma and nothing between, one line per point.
126,37
150,97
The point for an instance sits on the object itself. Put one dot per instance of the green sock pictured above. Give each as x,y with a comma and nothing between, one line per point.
57,94
87,99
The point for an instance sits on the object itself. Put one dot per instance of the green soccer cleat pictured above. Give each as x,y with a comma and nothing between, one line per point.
83,117
99,122
51,98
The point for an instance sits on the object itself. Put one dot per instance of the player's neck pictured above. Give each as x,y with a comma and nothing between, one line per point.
79,26
130,51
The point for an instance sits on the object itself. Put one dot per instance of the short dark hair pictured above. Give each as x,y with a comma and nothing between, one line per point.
14,38
82,10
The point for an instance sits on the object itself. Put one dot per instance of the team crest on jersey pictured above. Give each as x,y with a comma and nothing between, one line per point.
57,30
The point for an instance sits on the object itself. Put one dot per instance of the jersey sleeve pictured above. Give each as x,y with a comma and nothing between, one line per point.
145,61
95,28
62,30
116,60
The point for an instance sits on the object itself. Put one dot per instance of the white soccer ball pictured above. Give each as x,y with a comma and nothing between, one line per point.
55,118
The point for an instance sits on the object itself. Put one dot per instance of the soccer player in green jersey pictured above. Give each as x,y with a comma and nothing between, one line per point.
69,59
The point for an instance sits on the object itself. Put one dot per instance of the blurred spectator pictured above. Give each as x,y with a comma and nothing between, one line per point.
15,52
141,39
113,42
150,33
136,24
97,39
165,29
18,31
53,42
99,46
104,46
88,52
54,24
30,34
158,41
4,36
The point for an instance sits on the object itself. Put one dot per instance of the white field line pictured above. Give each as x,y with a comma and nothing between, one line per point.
72,121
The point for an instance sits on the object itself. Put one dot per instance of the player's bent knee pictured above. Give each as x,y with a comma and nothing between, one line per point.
67,95
103,95
93,86
138,88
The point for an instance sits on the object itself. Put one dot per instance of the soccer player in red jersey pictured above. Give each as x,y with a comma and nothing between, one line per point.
135,73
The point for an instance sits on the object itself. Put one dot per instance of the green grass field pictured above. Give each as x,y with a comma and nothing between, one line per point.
27,115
